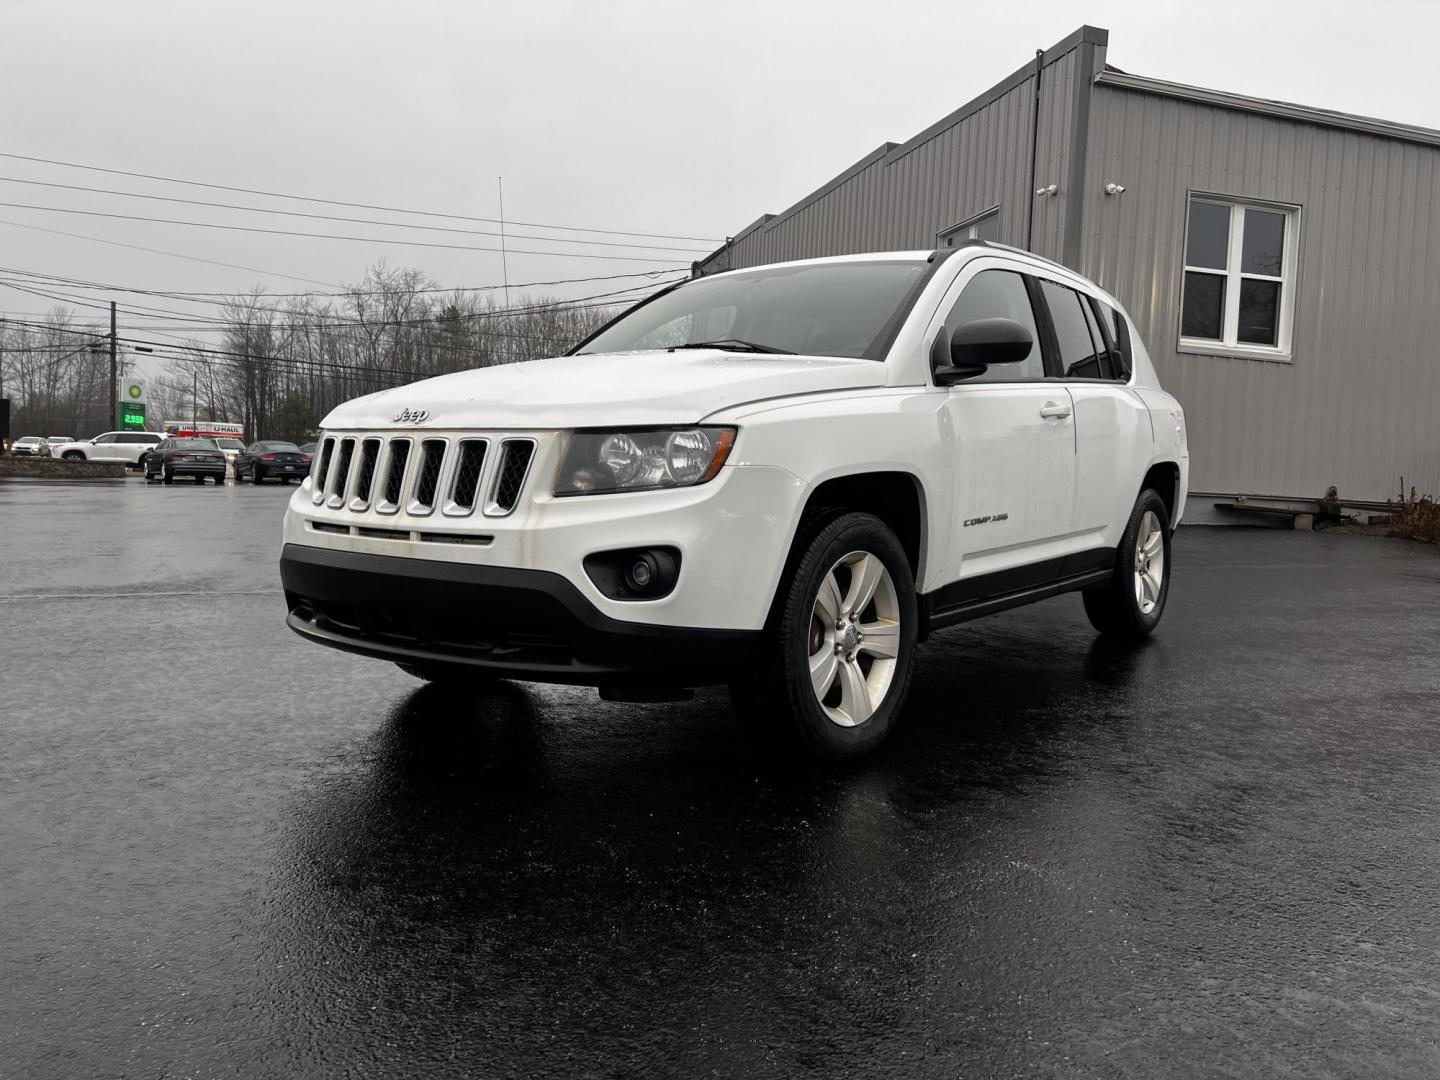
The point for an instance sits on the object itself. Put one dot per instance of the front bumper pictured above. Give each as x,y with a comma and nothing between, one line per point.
523,624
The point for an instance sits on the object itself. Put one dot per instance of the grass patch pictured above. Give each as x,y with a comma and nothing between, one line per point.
1418,519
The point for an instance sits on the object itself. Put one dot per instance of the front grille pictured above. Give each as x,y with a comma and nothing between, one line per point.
457,474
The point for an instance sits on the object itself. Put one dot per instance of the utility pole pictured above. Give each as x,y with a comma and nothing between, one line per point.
504,261
114,373
194,399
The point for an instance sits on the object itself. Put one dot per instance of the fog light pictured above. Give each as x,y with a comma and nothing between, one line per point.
641,573
648,573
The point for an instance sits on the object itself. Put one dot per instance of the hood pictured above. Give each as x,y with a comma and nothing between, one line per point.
638,388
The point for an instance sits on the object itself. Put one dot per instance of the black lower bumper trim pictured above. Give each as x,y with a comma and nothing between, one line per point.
525,624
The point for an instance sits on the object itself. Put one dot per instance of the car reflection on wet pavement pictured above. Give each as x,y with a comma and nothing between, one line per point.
226,855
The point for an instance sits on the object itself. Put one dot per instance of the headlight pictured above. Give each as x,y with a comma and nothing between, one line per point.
598,462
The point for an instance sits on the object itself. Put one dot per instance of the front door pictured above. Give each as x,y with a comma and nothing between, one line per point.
104,448
1013,447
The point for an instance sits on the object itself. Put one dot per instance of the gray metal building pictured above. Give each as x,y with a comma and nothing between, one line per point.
1282,262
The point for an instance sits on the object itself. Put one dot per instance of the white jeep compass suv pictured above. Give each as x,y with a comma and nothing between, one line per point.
781,478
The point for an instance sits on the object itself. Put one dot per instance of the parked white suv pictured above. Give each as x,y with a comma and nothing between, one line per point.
780,478
124,446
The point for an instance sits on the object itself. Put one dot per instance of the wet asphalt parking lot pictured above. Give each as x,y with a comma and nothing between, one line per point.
227,852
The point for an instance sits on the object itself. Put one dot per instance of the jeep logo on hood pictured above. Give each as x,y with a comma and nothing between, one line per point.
411,416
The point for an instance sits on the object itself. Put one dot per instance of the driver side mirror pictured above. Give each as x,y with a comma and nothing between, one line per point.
975,346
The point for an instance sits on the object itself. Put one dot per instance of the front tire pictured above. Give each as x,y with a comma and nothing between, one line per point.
1130,606
73,455
837,657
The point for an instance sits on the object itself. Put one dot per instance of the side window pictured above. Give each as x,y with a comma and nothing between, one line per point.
1115,323
1097,336
999,294
106,438
1079,356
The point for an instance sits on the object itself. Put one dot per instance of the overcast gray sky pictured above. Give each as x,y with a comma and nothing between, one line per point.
657,117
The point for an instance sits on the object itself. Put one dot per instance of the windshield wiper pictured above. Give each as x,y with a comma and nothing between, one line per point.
731,344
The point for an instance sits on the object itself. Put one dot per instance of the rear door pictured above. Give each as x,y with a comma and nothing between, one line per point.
1013,451
1112,425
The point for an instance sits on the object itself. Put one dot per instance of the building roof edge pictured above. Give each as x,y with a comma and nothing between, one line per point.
1284,110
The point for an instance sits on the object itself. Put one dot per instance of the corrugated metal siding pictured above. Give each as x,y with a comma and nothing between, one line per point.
1052,158
1360,405
903,198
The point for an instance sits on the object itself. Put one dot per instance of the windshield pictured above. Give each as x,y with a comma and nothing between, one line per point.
194,444
827,309
230,444
280,447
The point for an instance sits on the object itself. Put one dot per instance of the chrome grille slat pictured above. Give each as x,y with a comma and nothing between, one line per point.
322,468
465,487
365,478
515,458
397,459
427,477
341,477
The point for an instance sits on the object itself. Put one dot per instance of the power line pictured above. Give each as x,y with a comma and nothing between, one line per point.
172,254
184,294
330,236
350,220
338,321
358,206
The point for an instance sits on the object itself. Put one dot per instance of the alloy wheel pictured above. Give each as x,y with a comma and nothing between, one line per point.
854,638
1149,562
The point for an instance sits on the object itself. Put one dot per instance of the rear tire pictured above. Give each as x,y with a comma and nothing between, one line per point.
168,477
835,663
255,475
1130,606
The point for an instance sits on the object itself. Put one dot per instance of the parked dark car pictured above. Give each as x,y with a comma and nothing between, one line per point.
186,457
262,460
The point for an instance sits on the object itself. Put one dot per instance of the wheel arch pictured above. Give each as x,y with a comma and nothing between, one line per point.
895,496
1164,477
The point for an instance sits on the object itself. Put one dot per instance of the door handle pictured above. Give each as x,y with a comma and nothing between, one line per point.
1051,411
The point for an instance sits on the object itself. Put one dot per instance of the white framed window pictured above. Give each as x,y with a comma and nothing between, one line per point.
1239,287
984,226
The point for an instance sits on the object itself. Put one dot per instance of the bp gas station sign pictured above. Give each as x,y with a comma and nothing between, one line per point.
132,407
